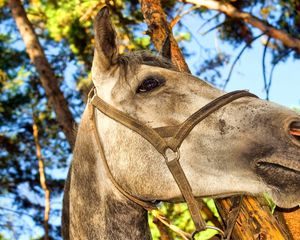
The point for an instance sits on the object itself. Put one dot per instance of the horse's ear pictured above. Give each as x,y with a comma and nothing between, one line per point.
106,50
166,48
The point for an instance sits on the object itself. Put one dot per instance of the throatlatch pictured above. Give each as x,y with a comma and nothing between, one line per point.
167,141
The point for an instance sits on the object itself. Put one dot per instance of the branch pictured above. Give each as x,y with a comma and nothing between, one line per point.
208,21
159,29
42,174
165,221
213,28
255,220
89,12
176,19
237,58
48,79
266,84
18,212
163,229
233,12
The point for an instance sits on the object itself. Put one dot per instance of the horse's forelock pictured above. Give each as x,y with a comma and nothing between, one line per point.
134,59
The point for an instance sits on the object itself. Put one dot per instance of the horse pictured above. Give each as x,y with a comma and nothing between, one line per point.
141,112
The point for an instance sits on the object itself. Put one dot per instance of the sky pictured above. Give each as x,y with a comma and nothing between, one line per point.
248,74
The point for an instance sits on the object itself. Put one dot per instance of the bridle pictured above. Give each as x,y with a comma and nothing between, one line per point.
167,141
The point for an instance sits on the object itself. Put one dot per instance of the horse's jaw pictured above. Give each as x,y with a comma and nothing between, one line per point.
283,177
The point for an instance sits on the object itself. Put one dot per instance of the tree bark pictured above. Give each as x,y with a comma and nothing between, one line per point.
159,29
163,230
255,220
233,12
43,180
255,215
48,79
291,218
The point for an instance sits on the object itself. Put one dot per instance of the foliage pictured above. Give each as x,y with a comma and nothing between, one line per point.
297,109
179,216
284,15
65,31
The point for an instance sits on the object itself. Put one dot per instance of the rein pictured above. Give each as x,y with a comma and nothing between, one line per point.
167,141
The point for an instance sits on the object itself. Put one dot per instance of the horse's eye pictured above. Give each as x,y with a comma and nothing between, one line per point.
149,84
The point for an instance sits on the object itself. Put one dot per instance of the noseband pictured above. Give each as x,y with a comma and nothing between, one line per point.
167,141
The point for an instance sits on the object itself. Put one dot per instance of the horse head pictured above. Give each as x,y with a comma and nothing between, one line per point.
247,146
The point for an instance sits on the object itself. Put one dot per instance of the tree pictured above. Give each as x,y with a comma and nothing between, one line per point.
46,74
63,38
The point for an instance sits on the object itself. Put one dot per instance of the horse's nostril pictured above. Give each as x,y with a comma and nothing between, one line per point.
294,130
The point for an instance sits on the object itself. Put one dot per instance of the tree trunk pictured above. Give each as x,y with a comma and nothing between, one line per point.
291,218
48,79
255,220
159,30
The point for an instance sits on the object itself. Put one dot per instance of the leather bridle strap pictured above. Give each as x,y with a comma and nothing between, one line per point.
146,132
157,136
167,141
186,190
183,130
146,205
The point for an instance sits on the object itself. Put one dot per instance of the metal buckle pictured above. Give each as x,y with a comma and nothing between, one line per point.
171,155
222,233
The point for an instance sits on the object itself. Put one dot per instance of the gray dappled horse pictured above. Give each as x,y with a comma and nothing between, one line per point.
245,146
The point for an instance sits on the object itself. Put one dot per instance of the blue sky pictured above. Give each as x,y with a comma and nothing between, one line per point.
247,73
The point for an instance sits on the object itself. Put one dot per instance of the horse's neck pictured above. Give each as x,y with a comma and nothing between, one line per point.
93,207
107,217
124,220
